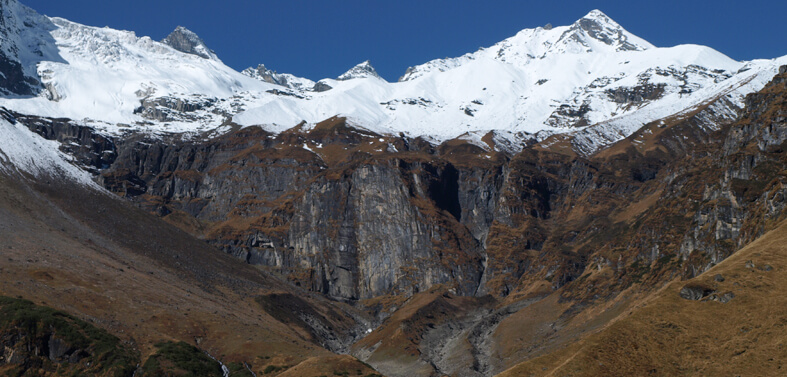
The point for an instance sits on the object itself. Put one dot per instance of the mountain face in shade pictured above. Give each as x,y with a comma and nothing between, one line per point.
25,40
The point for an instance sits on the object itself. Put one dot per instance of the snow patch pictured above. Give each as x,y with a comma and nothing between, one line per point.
21,150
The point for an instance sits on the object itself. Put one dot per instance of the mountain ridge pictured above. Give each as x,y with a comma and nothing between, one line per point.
178,202
540,82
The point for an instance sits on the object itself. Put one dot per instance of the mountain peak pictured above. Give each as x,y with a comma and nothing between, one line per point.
185,40
596,14
602,28
361,70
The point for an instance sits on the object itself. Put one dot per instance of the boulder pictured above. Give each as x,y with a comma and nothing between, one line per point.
695,292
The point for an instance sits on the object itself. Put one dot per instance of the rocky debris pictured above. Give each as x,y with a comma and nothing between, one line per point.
701,292
285,93
168,109
420,101
185,40
765,268
57,348
636,94
695,291
719,278
750,264
569,115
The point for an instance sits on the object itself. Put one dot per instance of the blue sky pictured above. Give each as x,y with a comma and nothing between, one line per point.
324,38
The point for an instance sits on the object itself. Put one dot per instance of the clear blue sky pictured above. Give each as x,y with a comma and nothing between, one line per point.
324,38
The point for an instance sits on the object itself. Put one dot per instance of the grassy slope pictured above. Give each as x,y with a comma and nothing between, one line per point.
136,276
671,336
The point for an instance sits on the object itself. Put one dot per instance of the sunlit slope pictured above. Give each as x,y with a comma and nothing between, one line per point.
672,336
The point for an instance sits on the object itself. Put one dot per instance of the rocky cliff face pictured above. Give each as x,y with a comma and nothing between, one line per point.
359,216
356,215
353,229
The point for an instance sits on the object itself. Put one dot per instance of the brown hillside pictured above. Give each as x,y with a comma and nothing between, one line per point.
672,336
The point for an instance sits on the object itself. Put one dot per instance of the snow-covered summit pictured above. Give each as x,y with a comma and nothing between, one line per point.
595,33
362,70
102,76
545,79
599,27
185,40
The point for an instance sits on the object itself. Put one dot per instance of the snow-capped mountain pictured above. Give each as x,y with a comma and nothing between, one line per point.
360,71
284,79
592,74
185,40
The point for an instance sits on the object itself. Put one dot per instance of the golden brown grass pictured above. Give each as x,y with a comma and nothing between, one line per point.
671,336
338,365
135,276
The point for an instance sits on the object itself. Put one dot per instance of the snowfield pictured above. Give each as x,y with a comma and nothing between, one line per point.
21,150
592,78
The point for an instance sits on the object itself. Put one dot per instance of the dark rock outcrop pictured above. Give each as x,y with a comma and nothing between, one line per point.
696,292
637,94
321,87
168,109
91,150
185,40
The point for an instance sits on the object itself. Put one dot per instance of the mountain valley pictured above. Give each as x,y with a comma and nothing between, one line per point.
570,201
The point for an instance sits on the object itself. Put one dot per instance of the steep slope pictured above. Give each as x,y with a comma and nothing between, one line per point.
669,335
344,212
590,239
465,252
723,194
77,248
25,41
